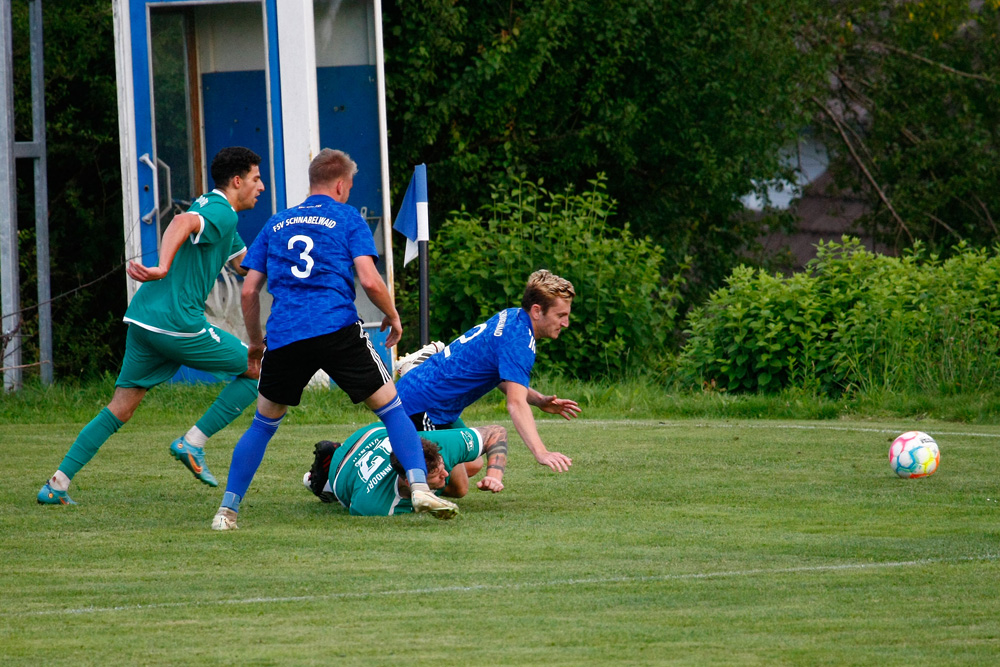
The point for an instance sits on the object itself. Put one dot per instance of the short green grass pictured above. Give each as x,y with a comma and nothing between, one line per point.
682,542
641,397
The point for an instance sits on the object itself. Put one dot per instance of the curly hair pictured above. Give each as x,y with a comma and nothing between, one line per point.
231,162
432,457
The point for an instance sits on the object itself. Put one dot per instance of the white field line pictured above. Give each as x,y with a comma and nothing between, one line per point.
763,424
561,583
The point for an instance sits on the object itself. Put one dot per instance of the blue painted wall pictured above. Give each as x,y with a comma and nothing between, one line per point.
348,120
235,107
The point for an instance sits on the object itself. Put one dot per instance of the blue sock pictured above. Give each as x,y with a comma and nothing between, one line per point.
247,455
405,441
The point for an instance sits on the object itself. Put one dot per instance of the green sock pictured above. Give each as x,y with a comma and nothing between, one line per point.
230,404
90,439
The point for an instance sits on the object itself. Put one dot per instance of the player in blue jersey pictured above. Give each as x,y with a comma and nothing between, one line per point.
498,353
307,255
365,477
167,325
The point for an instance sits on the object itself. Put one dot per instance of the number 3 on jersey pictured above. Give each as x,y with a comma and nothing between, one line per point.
304,255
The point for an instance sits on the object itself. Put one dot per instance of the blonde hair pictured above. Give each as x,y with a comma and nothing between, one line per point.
543,288
330,166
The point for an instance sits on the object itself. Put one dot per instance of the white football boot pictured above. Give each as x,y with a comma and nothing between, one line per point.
225,519
427,502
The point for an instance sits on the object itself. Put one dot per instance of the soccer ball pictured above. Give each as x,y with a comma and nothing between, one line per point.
914,454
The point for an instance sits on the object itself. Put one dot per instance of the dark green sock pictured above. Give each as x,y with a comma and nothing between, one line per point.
90,439
230,404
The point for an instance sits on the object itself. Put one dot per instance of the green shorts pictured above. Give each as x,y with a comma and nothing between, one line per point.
152,358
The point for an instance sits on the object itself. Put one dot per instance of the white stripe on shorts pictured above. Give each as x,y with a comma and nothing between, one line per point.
386,376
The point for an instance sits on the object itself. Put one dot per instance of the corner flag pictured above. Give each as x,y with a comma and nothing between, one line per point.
412,219
413,224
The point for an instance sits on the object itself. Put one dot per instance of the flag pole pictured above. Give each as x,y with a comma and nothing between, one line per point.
425,326
413,224
423,237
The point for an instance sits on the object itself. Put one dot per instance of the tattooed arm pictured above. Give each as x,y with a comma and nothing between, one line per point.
495,452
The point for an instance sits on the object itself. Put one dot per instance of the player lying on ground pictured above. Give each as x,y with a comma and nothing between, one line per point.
307,255
365,477
498,353
167,325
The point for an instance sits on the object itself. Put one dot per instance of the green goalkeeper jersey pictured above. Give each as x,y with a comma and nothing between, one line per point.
175,305
364,481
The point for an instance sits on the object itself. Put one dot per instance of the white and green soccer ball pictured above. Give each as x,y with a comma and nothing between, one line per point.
914,454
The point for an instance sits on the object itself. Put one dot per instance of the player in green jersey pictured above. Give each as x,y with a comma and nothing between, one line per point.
167,325
365,477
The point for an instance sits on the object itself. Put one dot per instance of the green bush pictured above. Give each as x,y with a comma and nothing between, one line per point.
623,315
853,321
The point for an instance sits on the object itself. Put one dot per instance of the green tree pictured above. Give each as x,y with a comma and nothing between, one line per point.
685,105
84,175
623,318
914,116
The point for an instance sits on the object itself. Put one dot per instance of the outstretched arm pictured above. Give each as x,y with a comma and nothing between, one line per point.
495,451
552,404
524,422
371,283
177,232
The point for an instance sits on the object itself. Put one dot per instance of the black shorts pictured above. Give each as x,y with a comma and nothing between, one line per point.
347,356
423,423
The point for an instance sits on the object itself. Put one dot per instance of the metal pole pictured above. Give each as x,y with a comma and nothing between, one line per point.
10,303
41,192
383,148
425,308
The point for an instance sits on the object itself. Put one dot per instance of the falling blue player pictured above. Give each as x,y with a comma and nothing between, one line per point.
498,353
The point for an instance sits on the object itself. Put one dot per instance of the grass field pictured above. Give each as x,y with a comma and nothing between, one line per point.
669,542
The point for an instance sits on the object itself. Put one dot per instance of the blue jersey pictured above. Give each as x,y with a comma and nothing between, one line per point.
502,348
307,253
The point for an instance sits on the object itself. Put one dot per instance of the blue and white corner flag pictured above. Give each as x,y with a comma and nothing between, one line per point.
411,221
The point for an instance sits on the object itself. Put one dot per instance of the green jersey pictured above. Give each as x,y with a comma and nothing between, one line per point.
364,481
175,305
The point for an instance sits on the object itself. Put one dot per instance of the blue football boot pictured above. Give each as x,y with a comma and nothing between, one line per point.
50,496
194,459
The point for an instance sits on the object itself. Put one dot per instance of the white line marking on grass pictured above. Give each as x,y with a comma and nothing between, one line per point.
762,425
510,587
